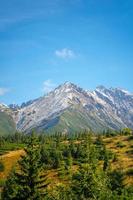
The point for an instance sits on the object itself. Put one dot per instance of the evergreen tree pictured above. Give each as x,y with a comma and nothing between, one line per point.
2,167
89,184
91,152
30,183
105,159
69,162
116,179
10,189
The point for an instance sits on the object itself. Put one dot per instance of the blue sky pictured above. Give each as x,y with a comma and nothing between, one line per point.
47,42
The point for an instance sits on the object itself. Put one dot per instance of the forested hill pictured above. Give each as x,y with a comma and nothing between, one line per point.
59,167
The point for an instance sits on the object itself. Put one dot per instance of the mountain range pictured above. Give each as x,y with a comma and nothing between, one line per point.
70,108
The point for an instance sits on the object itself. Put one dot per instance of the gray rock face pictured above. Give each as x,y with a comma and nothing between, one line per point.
104,108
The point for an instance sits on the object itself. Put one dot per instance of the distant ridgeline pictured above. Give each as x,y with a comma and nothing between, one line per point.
69,109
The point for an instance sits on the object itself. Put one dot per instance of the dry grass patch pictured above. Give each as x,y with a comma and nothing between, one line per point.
121,146
9,160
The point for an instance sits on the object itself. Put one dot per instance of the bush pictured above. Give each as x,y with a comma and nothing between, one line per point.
130,138
110,154
2,183
115,158
130,152
126,131
116,179
120,144
2,167
129,172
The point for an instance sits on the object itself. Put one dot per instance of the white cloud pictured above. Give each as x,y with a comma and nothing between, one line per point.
48,86
3,91
65,53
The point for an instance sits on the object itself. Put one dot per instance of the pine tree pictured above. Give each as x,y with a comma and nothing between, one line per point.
116,179
90,184
2,167
83,183
105,159
10,189
31,184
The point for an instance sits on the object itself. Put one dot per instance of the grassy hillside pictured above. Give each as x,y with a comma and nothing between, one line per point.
7,125
121,147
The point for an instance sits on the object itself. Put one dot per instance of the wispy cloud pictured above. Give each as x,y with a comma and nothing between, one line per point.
3,91
65,53
48,86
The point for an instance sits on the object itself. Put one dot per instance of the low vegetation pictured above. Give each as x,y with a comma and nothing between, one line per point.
80,166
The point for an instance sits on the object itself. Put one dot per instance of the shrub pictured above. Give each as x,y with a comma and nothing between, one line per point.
120,144
129,172
130,152
115,158
130,137
2,167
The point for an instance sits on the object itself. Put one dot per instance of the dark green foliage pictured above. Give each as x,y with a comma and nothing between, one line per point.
126,131
115,158
10,190
83,184
129,172
106,160
61,192
130,152
100,148
116,179
89,184
2,167
12,142
29,180
81,162
45,157
130,137
51,157
110,133
69,162
120,145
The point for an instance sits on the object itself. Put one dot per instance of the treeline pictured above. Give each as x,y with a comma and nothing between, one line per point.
111,133
81,161
19,137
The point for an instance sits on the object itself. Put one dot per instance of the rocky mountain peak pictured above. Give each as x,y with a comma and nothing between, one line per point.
103,107
67,86
3,107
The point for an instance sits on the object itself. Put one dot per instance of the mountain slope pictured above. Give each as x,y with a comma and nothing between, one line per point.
79,119
7,124
70,108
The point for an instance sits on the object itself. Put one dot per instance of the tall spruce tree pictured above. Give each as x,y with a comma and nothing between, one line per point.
10,189
30,182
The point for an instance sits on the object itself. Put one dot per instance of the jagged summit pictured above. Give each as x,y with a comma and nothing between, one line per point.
3,105
95,109
69,107
67,85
